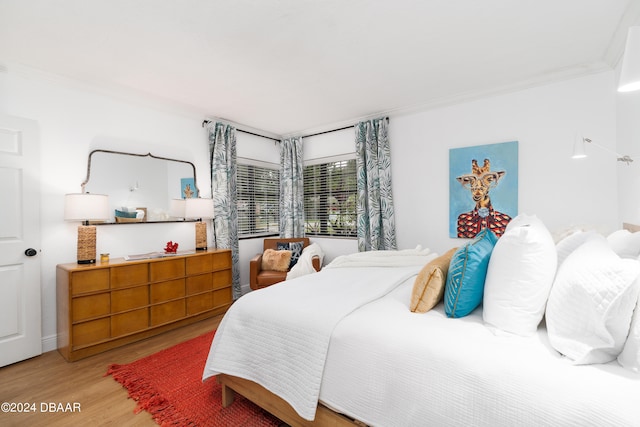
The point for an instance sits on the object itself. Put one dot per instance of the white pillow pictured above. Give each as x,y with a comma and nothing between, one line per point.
572,242
625,243
591,303
630,356
519,277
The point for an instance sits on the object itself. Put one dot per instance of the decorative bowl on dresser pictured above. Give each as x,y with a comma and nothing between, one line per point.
103,306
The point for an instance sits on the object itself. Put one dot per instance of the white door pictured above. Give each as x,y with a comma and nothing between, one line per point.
20,305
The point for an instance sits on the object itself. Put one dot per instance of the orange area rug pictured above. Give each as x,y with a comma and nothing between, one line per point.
169,386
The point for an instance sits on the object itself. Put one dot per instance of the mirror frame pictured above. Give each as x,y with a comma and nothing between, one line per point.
86,181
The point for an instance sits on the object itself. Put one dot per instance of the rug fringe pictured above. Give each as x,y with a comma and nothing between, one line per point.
139,390
168,385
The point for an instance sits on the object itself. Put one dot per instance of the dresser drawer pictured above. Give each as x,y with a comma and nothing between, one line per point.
166,291
91,332
89,281
200,264
222,279
222,297
167,312
199,283
166,269
199,303
90,306
129,322
129,275
222,260
130,298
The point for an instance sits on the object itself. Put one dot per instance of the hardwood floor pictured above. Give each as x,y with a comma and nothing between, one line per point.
50,379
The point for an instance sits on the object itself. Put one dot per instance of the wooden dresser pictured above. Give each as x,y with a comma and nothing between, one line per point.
103,306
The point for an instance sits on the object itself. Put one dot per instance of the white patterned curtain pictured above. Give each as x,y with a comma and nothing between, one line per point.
291,188
222,148
376,220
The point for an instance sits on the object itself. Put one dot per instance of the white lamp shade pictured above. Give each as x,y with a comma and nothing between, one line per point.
177,208
630,73
198,208
86,207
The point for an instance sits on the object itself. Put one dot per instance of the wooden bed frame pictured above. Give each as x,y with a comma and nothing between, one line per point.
277,406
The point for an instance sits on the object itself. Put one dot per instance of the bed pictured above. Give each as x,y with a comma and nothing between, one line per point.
341,347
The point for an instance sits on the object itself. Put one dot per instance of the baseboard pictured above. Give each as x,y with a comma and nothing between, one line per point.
245,288
49,343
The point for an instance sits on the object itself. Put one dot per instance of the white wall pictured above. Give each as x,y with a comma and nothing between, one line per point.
74,119
561,191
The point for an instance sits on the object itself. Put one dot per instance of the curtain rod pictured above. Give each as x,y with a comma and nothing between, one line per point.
328,131
303,136
336,130
206,122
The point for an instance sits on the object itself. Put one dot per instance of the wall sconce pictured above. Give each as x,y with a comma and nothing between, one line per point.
630,73
580,153
86,207
199,209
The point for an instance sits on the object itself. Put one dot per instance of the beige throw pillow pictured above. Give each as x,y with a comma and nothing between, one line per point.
428,287
276,260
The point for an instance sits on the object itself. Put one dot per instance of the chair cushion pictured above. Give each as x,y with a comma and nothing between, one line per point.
269,277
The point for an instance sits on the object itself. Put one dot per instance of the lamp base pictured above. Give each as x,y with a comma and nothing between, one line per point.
86,244
201,236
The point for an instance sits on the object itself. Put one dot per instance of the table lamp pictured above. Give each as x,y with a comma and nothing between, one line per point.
199,209
86,207
176,208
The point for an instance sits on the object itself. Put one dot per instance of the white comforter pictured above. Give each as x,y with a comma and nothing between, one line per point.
346,336
278,337
389,367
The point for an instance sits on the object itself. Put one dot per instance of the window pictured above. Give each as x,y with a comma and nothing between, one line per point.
330,198
258,190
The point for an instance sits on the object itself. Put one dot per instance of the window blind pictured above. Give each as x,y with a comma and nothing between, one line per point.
258,189
330,193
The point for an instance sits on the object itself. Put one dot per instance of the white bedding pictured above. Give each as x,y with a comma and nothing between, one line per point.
278,336
387,366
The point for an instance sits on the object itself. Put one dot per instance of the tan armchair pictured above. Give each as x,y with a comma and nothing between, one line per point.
259,278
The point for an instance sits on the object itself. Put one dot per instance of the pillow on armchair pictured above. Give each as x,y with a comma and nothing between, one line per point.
294,247
276,260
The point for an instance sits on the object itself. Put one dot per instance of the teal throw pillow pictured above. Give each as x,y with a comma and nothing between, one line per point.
467,272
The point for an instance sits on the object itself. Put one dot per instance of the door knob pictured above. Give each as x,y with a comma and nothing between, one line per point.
31,252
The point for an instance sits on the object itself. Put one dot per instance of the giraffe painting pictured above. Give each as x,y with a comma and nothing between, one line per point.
476,199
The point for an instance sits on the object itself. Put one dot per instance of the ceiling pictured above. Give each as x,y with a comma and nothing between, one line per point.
293,66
